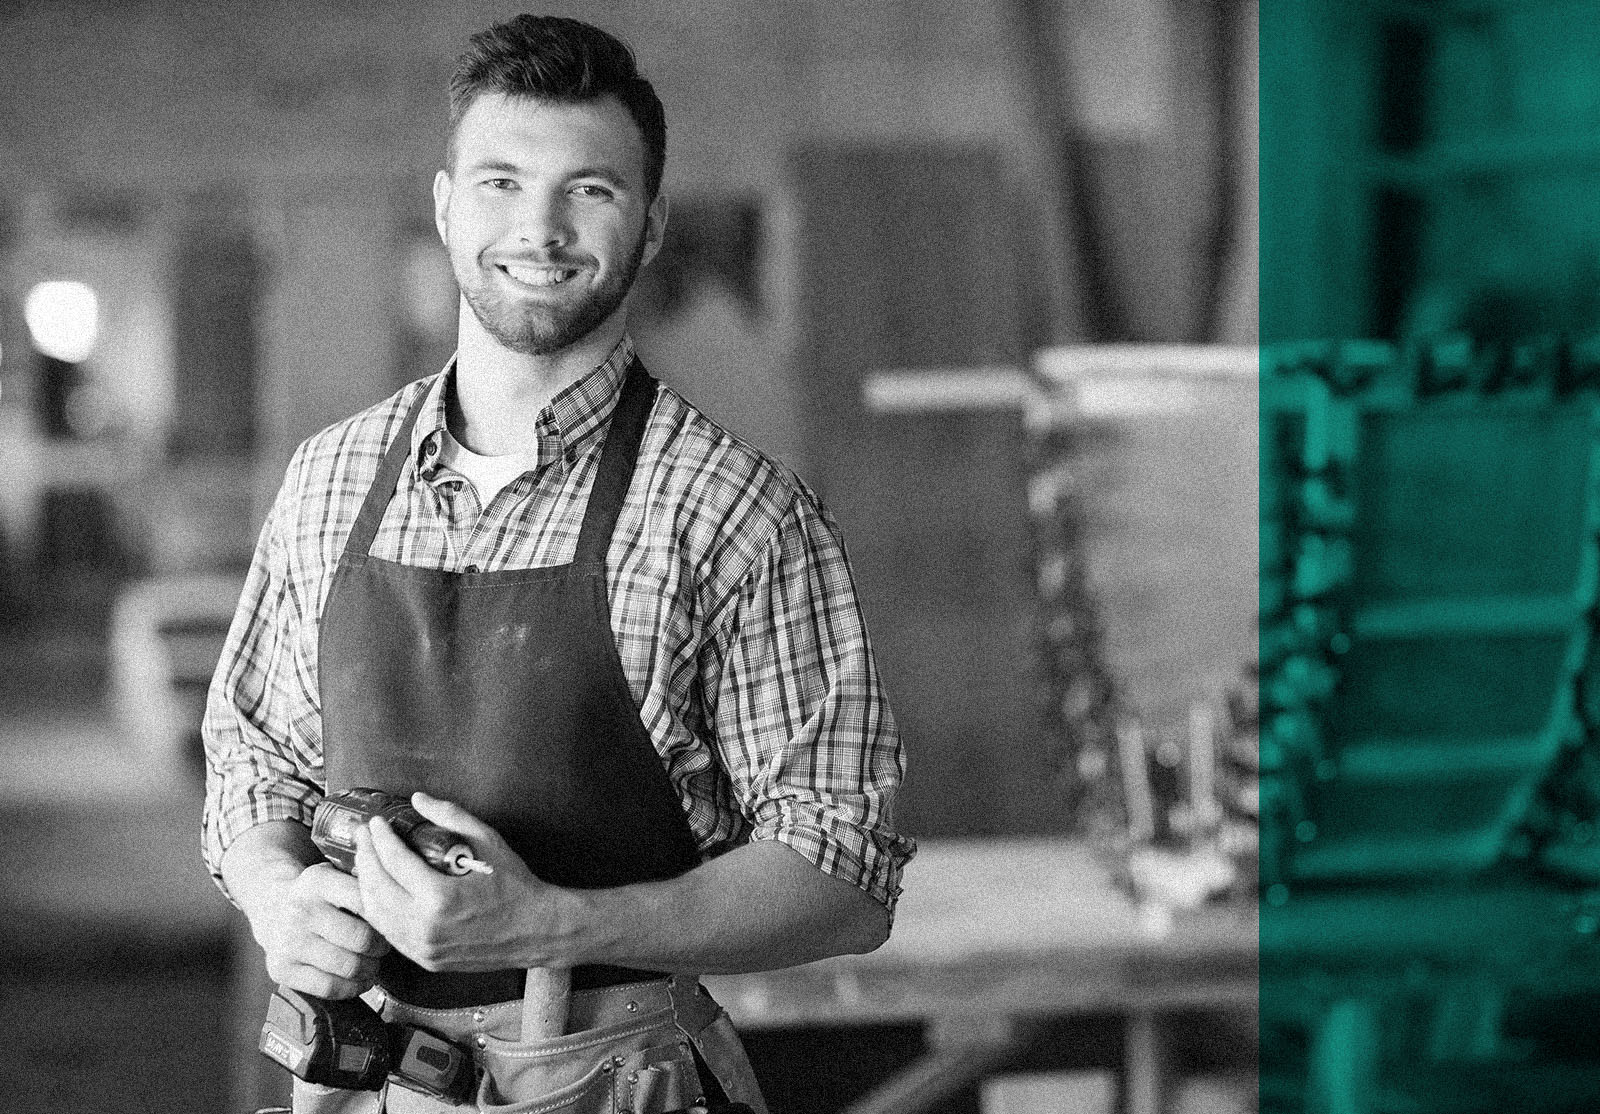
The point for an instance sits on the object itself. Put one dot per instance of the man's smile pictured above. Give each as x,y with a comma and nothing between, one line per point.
528,274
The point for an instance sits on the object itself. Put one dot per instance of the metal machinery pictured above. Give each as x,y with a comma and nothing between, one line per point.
1429,709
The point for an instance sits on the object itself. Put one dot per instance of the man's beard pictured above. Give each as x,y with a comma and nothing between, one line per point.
539,330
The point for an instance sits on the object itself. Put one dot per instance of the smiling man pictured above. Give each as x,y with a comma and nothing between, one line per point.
555,212
612,645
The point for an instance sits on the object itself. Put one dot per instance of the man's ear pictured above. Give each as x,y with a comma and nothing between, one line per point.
655,227
441,203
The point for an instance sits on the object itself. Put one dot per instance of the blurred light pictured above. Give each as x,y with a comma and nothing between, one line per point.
63,319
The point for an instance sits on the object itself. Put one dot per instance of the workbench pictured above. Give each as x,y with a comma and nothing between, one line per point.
995,934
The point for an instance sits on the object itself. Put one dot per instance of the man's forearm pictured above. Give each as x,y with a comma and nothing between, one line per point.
758,907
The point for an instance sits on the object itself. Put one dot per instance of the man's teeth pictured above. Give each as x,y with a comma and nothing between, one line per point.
539,276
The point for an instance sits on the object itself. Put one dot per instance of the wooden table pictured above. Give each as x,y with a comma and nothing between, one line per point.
1361,970
994,933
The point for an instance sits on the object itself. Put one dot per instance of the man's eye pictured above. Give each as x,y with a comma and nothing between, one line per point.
597,192
501,183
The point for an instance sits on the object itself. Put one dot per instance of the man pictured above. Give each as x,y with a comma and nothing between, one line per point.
610,644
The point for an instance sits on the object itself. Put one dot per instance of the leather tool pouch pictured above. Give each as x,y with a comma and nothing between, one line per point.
643,1065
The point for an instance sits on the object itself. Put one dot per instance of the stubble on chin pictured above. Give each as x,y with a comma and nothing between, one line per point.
530,330
535,330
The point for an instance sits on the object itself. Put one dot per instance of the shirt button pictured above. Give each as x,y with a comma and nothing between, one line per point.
481,1041
478,1016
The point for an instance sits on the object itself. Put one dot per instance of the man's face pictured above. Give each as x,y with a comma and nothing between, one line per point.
545,217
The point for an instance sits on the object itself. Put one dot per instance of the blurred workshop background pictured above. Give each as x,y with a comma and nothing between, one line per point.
985,273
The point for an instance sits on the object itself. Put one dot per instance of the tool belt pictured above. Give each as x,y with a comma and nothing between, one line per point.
632,1046
653,1047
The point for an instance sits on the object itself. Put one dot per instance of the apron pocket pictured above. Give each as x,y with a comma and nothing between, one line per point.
595,1093
592,1071
667,1081
648,1081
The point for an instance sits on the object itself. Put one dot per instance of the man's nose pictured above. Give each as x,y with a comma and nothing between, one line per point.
544,222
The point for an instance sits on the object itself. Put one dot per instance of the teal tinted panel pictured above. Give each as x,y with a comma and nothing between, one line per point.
1457,502
1457,806
1449,688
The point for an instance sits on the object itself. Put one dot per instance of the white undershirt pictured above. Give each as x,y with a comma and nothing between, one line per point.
489,475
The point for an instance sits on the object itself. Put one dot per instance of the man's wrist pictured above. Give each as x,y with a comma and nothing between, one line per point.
262,860
579,927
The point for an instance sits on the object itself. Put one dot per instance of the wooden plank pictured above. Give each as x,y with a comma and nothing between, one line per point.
1067,364
1470,615
916,390
1447,164
1408,759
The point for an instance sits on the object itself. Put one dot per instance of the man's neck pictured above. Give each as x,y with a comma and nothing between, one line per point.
499,393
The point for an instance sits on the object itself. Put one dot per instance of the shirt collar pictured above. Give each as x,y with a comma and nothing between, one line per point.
566,426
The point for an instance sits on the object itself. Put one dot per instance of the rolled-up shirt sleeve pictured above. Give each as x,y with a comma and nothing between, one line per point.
262,728
800,715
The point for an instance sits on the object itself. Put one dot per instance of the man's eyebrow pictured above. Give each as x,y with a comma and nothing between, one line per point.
604,173
493,164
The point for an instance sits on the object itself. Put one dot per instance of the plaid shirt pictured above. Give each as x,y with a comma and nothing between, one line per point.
731,602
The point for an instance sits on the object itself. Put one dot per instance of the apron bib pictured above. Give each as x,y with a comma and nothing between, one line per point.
503,692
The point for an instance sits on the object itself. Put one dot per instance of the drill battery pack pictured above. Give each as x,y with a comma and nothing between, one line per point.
344,1043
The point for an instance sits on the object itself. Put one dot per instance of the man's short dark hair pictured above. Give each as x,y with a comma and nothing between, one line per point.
566,61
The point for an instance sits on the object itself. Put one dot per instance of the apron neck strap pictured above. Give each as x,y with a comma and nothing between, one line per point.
382,489
615,471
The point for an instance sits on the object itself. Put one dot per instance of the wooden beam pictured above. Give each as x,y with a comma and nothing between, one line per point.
1462,616
1446,164
1082,305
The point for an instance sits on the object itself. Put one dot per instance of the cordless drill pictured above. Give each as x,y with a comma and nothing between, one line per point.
344,1042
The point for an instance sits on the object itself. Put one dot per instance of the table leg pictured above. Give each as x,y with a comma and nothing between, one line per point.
963,1052
1146,1065
1343,1072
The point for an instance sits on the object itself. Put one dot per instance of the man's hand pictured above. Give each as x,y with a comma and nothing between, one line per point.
477,922
314,938
305,914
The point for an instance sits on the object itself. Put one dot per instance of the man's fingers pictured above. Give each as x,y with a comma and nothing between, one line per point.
448,814
349,933
385,865
316,982
341,945
334,960
333,886
319,967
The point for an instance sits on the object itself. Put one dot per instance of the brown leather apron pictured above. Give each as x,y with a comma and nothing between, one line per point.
502,691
